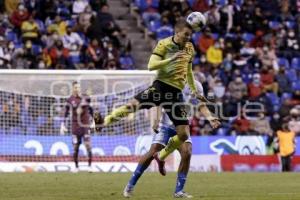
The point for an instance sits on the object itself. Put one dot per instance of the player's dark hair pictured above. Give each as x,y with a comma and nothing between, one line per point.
180,24
74,83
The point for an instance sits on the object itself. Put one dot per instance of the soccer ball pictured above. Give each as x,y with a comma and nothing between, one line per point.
196,20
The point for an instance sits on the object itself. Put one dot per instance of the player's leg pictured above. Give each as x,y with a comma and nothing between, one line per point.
144,100
183,169
175,142
88,146
121,112
76,143
177,112
142,166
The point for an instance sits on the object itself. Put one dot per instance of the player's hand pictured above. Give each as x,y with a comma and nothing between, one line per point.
215,123
178,55
155,126
200,97
63,129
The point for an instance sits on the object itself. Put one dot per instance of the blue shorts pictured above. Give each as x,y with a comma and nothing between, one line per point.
164,135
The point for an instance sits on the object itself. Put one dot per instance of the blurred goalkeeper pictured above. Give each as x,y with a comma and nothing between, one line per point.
166,130
81,122
172,59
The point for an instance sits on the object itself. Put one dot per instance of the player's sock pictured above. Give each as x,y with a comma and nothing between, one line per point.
117,114
173,144
181,178
136,174
90,158
75,157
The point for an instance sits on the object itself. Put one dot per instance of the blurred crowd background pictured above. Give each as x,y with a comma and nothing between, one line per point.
248,53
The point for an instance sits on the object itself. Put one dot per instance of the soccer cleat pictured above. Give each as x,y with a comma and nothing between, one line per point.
75,170
128,190
161,165
182,194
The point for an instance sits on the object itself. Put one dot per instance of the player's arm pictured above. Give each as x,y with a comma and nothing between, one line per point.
63,128
214,122
191,79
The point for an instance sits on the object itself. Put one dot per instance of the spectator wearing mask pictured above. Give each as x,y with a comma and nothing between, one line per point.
255,88
291,45
286,144
95,54
79,6
71,38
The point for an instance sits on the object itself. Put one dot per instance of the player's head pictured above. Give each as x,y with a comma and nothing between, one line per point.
75,88
183,31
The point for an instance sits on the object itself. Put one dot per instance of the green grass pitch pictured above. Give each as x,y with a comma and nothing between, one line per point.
103,186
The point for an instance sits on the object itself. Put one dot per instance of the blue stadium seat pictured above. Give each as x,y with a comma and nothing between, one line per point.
290,24
191,2
195,38
274,100
154,25
11,36
285,96
164,32
155,3
41,120
295,63
141,4
37,49
296,85
248,37
274,24
41,25
215,35
2,131
291,75
75,59
196,60
283,62
125,61
31,130
222,2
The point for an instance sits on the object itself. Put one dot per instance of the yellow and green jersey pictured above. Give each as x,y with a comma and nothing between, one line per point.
175,72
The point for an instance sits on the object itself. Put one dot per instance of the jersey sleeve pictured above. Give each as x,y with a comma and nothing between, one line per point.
193,53
160,49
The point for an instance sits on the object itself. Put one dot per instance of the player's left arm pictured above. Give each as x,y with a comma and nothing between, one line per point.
190,74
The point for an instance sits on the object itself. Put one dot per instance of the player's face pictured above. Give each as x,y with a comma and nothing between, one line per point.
76,89
184,35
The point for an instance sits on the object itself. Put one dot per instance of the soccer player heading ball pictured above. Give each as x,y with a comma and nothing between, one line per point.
172,59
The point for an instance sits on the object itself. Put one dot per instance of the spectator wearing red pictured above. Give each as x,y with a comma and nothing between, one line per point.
19,16
200,5
255,88
59,55
205,41
241,125
95,53
258,39
267,77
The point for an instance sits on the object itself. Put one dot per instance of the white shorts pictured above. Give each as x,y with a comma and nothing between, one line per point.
164,136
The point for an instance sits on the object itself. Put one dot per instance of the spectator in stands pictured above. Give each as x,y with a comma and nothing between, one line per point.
79,7
205,41
151,13
275,122
284,84
29,56
295,100
241,126
214,55
258,39
237,89
213,18
19,16
111,64
200,6
268,79
292,45
261,125
71,37
267,56
84,20
59,55
219,89
95,54
255,88
59,26
30,30
294,120
126,61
